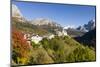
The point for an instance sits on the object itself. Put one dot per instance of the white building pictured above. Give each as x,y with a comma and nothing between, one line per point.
51,36
59,33
36,39
64,32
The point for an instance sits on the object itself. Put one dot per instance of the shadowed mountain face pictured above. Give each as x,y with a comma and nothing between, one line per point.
88,39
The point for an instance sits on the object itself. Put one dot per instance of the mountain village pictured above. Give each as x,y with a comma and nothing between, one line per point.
36,38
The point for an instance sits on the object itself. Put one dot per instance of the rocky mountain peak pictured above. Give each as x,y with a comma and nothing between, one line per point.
87,27
16,14
15,11
43,21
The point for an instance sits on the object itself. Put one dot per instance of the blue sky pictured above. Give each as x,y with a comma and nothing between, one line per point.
72,15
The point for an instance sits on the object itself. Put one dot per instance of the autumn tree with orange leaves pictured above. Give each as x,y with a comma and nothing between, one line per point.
20,47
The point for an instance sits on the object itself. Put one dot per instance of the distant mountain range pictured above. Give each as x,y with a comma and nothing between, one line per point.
87,27
81,30
43,21
50,26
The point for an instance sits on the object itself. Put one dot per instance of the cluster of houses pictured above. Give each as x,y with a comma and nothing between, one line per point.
36,38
